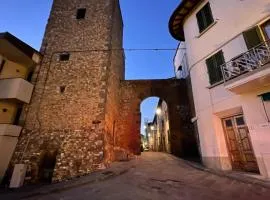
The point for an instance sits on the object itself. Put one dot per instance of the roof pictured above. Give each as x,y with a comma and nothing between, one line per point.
9,44
177,19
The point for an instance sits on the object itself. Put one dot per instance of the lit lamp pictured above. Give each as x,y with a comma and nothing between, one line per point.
158,111
152,128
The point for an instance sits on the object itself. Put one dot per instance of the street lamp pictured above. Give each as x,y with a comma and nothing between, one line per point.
152,128
158,111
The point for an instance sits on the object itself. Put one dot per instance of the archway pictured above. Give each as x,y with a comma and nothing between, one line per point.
174,93
155,125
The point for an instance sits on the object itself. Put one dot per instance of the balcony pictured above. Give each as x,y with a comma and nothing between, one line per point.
16,88
248,71
10,130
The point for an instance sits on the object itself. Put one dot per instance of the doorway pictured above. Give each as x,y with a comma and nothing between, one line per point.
47,165
239,144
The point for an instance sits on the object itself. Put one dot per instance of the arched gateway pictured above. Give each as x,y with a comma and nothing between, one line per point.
174,92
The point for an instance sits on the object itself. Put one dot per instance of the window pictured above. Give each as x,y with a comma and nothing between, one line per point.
253,37
81,13
64,57
62,89
180,68
2,65
204,17
214,70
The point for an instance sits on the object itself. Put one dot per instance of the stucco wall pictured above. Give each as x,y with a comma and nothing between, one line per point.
213,103
13,70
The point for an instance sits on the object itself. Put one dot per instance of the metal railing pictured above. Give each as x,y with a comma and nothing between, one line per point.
246,62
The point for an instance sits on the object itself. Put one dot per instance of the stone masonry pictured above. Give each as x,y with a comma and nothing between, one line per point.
72,122
83,113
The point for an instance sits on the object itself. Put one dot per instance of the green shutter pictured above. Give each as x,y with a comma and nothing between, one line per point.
208,14
213,66
253,37
200,21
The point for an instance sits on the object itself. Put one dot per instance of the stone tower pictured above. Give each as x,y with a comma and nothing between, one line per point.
69,125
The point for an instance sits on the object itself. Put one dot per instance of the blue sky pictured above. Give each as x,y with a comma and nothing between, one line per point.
145,26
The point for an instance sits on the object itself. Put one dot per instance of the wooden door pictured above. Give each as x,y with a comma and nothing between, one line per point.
239,145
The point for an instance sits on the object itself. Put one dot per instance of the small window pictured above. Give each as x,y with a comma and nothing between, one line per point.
64,57
214,67
62,89
180,68
81,13
204,17
2,65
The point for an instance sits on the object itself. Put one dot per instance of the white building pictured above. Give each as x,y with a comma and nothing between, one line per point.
180,62
231,100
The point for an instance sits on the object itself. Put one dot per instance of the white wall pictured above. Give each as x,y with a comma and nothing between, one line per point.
213,103
180,58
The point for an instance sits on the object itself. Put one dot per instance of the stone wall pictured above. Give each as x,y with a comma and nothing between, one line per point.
174,92
67,110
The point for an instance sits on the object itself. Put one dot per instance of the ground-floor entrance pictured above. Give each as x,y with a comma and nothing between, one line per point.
239,144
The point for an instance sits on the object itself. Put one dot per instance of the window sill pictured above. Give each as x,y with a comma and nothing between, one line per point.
215,84
205,30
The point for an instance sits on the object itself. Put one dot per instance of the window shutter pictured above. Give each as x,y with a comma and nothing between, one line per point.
219,61
213,66
208,15
211,69
199,16
252,37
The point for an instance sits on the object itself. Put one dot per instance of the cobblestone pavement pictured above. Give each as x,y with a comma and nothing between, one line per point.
152,176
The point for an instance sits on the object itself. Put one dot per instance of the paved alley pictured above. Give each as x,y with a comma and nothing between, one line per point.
152,176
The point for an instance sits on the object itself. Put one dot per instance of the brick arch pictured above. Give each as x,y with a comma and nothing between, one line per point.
133,92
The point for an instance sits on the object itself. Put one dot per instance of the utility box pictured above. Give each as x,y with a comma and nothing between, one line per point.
18,176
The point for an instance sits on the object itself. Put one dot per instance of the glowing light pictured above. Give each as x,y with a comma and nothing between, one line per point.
152,128
158,111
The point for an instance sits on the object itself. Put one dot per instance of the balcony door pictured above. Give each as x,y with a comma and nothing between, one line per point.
239,145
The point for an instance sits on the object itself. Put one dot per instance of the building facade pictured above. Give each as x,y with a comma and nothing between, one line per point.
17,62
70,123
227,46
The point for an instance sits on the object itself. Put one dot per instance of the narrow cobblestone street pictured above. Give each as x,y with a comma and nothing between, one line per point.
150,176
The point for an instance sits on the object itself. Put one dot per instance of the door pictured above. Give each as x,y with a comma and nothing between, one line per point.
239,145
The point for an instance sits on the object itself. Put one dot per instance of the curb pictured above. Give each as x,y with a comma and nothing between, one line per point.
231,175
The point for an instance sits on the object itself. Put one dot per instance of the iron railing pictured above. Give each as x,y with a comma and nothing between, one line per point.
246,62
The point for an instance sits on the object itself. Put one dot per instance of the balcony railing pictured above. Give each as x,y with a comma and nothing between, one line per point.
247,62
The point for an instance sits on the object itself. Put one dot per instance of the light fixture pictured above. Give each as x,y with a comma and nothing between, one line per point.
152,128
158,111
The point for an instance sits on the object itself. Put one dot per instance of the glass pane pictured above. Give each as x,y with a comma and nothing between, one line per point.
240,121
228,123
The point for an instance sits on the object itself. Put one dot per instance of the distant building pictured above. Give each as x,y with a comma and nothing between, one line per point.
163,127
180,62
158,131
227,48
17,62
